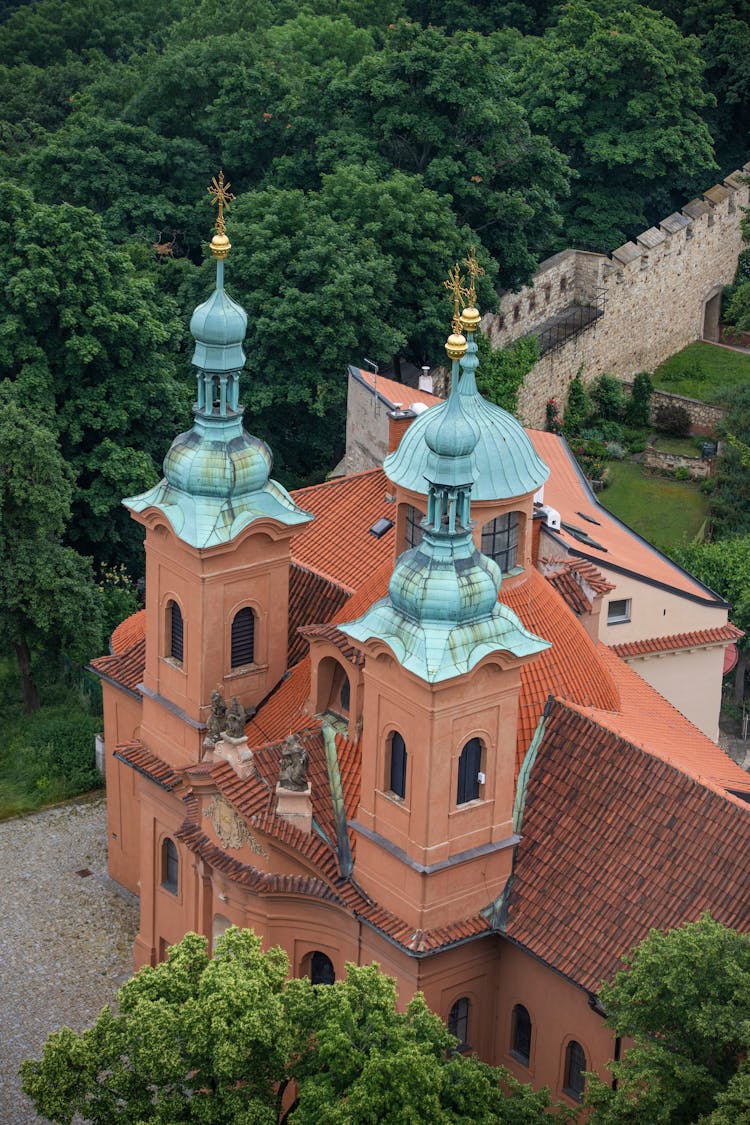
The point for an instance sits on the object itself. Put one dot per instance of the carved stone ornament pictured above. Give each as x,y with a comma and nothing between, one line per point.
235,724
217,720
230,827
294,763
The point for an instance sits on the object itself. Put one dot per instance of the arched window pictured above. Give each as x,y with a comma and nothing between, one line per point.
468,772
345,695
500,540
520,1046
176,646
396,778
243,638
170,866
321,969
413,526
458,1022
575,1066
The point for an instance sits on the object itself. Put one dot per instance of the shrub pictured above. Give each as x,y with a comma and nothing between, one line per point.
615,450
578,408
638,409
554,425
609,399
681,473
671,418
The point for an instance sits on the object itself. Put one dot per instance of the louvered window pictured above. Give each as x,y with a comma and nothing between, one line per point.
468,772
176,634
397,778
243,638
521,1047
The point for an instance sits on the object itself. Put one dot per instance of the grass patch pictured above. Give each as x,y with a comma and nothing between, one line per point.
668,513
49,756
703,371
683,447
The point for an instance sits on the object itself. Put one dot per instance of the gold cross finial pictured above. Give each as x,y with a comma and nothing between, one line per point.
223,197
474,271
455,286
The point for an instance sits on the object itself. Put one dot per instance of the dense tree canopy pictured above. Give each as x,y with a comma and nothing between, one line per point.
47,593
684,997
221,1040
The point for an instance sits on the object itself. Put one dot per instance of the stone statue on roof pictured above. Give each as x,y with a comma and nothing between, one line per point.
217,719
235,727
294,762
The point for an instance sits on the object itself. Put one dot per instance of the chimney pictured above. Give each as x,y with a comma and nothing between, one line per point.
425,380
398,423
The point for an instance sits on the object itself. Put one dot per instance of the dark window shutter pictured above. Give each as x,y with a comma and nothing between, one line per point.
458,1021
398,765
176,643
243,638
170,866
468,772
575,1066
321,969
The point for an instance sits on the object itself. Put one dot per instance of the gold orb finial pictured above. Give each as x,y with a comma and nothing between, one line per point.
470,319
455,345
222,196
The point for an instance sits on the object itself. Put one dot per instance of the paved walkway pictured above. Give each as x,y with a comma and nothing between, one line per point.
65,939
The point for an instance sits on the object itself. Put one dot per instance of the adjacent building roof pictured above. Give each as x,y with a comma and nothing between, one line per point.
614,842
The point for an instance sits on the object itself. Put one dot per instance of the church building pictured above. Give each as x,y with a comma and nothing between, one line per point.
373,721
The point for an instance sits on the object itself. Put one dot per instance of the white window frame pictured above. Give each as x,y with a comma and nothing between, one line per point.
614,618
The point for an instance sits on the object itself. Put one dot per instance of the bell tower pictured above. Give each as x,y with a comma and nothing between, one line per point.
218,534
441,686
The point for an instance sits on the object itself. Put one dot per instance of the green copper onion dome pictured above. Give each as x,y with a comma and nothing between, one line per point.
506,463
442,615
217,475
219,326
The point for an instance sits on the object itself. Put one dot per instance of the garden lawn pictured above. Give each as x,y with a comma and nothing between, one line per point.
668,513
703,371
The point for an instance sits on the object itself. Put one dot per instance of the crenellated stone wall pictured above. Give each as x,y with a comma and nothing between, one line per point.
653,297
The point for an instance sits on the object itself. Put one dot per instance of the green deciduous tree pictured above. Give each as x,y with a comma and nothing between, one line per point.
222,1040
619,89
47,594
577,408
502,370
684,997
638,406
91,348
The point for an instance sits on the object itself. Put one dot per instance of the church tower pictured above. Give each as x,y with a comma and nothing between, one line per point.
441,685
218,534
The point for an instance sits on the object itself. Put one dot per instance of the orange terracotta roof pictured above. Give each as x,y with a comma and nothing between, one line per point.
569,590
614,843
397,395
336,637
283,712
589,572
571,669
312,599
724,633
135,755
129,631
338,543
566,491
648,721
125,668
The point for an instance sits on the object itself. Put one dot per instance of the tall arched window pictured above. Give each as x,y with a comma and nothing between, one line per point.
413,526
396,779
469,765
176,646
500,540
458,1022
243,637
520,1046
321,969
170,866
575,1067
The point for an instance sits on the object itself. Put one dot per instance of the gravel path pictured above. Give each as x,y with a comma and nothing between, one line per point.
65,939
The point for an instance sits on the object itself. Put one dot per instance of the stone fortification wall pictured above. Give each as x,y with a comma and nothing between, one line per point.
658,293
704,416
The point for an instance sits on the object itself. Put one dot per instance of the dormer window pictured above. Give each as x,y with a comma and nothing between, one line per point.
176,641
243,638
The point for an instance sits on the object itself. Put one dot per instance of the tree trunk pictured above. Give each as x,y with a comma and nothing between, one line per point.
28,689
